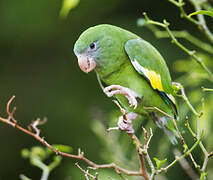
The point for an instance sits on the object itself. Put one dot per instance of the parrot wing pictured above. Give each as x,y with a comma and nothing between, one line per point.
148,62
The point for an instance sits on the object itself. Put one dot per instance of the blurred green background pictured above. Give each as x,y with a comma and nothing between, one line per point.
37,64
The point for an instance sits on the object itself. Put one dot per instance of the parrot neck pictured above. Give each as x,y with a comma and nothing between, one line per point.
104,76
114,76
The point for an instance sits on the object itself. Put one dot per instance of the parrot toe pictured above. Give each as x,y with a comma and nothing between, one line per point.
126,124
128,93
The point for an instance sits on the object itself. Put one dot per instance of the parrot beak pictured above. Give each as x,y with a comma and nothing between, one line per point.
85,63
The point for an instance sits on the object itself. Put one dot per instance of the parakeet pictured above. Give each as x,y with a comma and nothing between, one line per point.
133,70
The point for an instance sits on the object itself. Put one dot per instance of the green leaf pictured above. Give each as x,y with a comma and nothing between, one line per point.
208,13
60,147
39,152
159,163
25,153
203,175
67,5
185,148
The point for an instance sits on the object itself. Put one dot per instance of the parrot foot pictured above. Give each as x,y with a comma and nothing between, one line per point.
128,93
125,122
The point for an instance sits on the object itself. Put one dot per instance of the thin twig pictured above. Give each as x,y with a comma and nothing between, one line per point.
189,128
207,89
86,173
122,177
140,156
79,156
138,144
191,53
184,97
177,158
180,5
198,115
176,127
146,153
181,34
210,154
200,23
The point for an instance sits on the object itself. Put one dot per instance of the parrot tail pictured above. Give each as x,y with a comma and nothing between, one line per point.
167,125
171,136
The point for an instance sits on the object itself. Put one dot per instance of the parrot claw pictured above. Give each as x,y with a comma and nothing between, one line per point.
125,124
128,93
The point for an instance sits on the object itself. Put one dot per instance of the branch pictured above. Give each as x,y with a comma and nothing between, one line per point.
178,158
139,148
140,155
181,137
180,5
206,89
145,151
200,23
201,20
198,135
181,34
80,156
191,53
86,173
186,100
189,128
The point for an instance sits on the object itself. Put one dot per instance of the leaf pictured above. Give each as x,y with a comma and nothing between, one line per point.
60,147
203,175
185,148
67,5
39,152
25,153
159,163
208,13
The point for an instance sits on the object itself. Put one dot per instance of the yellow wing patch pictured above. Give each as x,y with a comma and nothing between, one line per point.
155,79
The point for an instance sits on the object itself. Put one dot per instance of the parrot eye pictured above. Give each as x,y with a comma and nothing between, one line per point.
92,45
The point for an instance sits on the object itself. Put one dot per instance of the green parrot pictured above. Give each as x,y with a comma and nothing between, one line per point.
133,72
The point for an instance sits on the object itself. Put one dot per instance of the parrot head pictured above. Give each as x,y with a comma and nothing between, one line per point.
100,48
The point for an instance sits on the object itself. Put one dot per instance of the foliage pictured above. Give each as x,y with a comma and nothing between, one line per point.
208,13
67,5
38,155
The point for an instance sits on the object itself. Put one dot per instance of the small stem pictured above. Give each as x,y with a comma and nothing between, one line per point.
165,25
140,155
189,128
183,13
176,127
186,100
86,173
207,89
45,174
79,156
202,21
206,158
182,156
45,170
182,34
